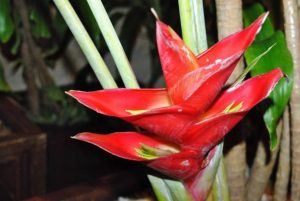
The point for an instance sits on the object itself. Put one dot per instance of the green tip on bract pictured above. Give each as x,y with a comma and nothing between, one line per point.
154,14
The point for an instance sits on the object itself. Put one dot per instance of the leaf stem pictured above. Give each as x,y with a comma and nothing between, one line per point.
113,43
194,35
193,24
86,44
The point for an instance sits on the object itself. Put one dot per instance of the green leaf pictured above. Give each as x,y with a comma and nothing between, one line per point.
39,26
251,66
169,190
6,23
251,13
278,56
3,84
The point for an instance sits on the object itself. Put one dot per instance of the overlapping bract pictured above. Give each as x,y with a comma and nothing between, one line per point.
191,115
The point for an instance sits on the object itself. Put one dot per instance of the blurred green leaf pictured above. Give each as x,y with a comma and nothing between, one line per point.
3,84
278,56
39,26
16,43
6,23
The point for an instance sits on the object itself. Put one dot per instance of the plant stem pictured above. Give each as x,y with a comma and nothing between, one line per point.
283,172
193,24
291,25
86,44
194,35
113,43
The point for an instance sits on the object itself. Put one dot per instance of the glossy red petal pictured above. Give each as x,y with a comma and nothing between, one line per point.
232,44
179,166
216,123
198,89
121,102
247,94
206,134
200,185
124,145
175,57
139,107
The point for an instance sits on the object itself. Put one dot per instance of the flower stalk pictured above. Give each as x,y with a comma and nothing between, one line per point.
86,44
113,43
194,35
193,24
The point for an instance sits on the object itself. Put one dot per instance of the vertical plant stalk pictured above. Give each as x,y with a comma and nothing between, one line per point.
193,24
194,35
229,20
220,180
86,44
113,43
291,25
283,172
262,169
35,54
29,71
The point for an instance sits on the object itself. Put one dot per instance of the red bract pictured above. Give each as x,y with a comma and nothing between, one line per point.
189,117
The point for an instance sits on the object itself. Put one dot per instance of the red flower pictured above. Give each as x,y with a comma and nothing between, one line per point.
189,117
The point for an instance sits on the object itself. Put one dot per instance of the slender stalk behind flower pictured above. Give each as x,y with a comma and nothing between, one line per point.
291,25
34,65
113,43
194,35
229,16
86,44
283,172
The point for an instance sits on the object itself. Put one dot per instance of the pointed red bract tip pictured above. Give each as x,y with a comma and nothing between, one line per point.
232,44
127,145
176,58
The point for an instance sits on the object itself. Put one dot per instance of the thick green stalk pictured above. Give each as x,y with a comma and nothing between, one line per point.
86,44
113,43
193,24
194,35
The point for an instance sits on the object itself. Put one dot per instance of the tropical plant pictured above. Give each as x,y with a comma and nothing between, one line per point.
180,94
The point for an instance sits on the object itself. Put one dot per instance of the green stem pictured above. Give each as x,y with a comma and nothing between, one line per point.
113,43
193,24
86,44
194,35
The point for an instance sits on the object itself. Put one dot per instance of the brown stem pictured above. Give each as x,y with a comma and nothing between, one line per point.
291,25
30,77
34,51
262,169
283,172
229,20
229,15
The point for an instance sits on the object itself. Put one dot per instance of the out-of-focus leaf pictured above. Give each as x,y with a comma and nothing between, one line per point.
6,23
60,27
39,25
131,28
3,84
251,13
17,43
169,190
278,56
